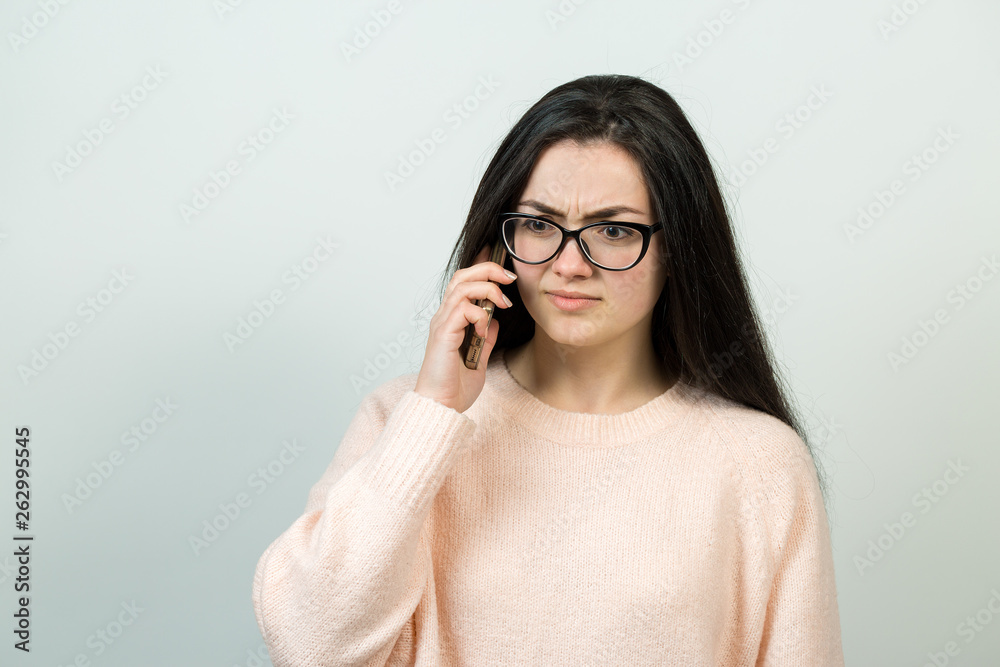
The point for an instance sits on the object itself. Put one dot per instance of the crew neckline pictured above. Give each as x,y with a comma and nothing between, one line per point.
584,428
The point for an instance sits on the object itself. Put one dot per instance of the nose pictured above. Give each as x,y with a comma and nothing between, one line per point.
572,261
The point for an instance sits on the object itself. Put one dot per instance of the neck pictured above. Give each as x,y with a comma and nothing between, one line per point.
608,379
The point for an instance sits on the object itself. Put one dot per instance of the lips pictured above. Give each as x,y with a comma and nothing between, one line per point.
572,295
571,304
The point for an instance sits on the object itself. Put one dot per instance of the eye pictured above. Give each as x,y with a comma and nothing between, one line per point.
616,233
535,225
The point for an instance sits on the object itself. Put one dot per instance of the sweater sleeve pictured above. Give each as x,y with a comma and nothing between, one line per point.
802,621
350,582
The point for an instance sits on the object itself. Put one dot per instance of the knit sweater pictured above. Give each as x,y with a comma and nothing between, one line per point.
688,531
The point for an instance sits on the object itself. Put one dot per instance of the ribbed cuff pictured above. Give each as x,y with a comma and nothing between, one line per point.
416,450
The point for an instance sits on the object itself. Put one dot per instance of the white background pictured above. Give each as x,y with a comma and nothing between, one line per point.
838,304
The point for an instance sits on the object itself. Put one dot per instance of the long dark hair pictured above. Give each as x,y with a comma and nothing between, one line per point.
705,328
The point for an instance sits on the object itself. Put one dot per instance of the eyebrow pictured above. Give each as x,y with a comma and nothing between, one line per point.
608,212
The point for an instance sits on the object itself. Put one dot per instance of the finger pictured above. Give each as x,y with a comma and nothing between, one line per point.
480,258
482,289
483,270
472,291
472,314
491,339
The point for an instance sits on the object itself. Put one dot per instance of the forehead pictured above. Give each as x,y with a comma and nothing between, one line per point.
579,178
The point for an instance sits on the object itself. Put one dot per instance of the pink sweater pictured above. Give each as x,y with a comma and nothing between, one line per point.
689,531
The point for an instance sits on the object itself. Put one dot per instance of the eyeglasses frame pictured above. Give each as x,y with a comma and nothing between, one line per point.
647,232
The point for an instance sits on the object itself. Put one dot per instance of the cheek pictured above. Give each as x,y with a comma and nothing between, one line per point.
634,292
528,277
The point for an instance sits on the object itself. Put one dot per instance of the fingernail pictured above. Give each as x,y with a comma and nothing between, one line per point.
512,276
507,301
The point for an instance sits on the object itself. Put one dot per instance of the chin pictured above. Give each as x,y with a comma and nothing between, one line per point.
573,334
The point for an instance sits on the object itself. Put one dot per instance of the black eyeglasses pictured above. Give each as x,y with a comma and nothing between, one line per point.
614,246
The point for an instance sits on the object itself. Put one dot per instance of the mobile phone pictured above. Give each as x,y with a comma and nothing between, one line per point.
472,346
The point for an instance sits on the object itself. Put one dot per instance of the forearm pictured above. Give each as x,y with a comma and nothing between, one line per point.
341,583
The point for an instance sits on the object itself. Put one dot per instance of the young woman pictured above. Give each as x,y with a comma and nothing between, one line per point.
620,482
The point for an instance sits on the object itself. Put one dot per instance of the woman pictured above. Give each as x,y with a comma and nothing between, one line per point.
621,480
